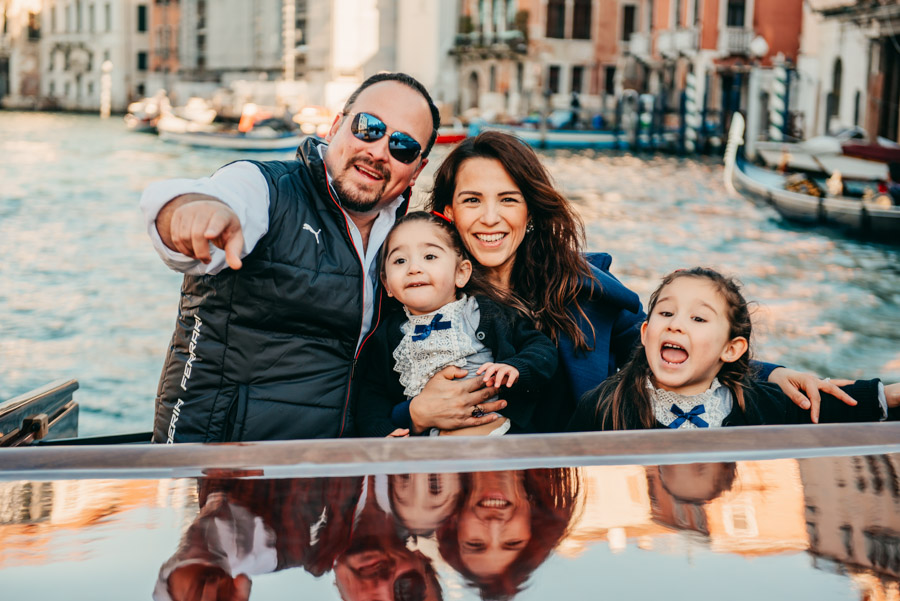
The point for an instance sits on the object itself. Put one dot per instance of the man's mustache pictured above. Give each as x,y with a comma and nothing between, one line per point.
379,168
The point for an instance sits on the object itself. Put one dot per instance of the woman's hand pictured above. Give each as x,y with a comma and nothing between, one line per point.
399,433
792,382
448,403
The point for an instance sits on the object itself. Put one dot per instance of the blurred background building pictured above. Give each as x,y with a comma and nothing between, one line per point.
494,59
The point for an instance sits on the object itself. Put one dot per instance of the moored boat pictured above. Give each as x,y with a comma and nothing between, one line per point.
871,216
259,139
453,133
562,138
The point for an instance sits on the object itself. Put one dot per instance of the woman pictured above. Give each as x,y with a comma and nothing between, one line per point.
529,241
506,524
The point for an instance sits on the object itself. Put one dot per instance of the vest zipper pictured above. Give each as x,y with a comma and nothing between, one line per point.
363,290
362,268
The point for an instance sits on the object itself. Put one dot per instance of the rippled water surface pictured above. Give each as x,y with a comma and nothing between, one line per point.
83,295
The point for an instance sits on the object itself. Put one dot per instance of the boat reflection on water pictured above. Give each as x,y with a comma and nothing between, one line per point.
569,532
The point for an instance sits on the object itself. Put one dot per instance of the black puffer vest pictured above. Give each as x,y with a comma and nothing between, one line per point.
267,352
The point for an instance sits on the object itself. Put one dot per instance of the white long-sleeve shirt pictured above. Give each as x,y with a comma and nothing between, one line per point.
244,189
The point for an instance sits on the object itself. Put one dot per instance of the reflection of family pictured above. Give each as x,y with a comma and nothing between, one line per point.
285,328
493,528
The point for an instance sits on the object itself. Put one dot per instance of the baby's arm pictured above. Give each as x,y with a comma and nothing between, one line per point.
495,373
536,356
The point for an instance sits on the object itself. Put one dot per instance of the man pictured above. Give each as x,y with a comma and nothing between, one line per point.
273,316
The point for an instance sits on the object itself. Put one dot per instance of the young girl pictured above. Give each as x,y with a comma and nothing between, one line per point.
423,265
692,369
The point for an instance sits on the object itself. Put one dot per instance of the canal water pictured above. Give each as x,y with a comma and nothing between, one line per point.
83,295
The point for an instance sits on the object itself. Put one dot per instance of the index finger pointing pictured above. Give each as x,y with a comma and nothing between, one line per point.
233,249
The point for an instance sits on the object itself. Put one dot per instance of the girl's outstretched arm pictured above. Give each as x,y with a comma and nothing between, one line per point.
795,383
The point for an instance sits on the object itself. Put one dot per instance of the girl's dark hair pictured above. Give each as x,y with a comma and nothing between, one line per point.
477,283
549,270
553,495
624,399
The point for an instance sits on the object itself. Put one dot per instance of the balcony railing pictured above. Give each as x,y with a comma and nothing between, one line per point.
736,40
674,42
511,39
639,45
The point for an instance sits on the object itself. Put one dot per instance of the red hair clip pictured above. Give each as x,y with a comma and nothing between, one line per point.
442,216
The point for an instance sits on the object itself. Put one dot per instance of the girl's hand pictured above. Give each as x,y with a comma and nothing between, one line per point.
399,433
494,373
448,403
792,382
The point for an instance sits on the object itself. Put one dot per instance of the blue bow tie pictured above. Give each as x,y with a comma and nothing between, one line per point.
424,331
692,416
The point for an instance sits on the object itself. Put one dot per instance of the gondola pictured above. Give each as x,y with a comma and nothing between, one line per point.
868,218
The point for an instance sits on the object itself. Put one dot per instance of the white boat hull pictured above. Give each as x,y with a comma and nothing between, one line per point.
229,141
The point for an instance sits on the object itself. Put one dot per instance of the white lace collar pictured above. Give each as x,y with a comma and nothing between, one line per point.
684,411
433,341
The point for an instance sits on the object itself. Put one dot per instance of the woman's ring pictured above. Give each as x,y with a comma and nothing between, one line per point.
477,412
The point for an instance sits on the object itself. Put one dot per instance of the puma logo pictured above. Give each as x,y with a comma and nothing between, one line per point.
308,228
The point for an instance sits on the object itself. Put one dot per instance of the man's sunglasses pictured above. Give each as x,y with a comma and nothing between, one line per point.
370,128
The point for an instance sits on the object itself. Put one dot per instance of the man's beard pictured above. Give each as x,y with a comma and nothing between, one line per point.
358,200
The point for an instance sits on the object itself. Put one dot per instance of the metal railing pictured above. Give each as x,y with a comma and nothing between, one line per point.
737,40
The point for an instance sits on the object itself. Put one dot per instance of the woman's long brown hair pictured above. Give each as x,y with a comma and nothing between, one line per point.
550,270
624,399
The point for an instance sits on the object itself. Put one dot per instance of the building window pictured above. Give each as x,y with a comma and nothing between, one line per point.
679,13
553,79
734,17
581,20
53,19
142,18
609,81
91,24
629,21
34,28
78,13
556,19
142,61
493,78
107,17
520,76
90,88
577,78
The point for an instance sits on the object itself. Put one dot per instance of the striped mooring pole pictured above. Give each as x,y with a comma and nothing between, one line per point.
777,104
692,114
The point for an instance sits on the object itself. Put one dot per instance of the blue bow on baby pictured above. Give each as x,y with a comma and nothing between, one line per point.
692,416
424,331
